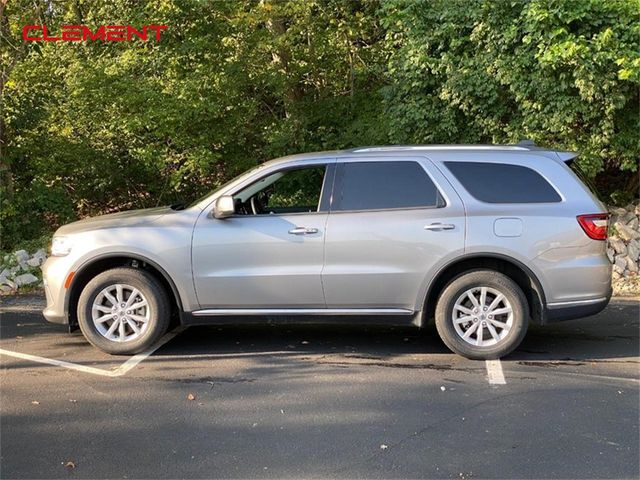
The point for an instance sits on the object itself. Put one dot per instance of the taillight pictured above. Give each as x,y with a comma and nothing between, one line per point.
595,225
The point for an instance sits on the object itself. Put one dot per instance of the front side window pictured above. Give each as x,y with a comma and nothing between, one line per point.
384,185
503,183
287,191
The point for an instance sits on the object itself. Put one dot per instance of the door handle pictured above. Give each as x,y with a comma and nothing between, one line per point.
439,226
303,231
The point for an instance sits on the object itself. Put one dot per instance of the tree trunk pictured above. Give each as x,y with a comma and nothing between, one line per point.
6,178
281,56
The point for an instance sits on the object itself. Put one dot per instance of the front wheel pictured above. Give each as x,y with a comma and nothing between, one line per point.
482,315
123,311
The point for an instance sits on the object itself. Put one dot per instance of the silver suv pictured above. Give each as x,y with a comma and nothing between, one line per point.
484,239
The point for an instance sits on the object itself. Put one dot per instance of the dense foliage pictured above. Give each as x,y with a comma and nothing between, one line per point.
564,73
92,127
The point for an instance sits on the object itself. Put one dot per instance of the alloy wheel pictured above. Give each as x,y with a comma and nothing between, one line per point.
120,313
482,316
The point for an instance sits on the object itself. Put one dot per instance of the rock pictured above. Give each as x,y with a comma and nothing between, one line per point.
632,266
633,223
3,279
5,289
633,250
619,211
41,255
618,245
5,272
21,255
25,279
625,232
14,271
34,262
11,284
620,264
610,254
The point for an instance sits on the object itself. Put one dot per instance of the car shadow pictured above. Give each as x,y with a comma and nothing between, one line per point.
612,334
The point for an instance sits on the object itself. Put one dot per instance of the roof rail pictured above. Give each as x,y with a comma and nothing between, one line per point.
388,148
525,142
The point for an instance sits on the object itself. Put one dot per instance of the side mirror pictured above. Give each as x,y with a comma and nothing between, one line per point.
224,207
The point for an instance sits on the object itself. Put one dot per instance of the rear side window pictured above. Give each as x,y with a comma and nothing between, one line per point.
384,185
503,183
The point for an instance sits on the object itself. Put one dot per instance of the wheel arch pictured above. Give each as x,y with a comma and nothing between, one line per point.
107,261
514,269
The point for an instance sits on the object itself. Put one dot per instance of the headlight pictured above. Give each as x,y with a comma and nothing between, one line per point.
60,246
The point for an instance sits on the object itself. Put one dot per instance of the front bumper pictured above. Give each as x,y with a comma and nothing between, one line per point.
52,316
54,272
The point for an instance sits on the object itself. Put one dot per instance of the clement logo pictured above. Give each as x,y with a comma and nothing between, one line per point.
78,33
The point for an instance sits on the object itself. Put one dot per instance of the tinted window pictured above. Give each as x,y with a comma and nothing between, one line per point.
379,185
503,183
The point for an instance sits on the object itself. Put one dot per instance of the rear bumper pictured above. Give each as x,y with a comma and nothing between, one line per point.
558,312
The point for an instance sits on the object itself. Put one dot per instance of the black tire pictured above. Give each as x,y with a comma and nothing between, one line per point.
477,279
159,310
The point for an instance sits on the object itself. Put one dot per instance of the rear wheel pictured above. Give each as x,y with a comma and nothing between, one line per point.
482,314
123,311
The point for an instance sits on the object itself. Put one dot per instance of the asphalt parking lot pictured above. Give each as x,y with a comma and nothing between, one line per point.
336,402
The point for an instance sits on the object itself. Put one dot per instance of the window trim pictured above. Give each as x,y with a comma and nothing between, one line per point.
549,182
329,177
397,209
337,184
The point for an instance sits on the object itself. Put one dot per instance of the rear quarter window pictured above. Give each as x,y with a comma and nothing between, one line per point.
503,183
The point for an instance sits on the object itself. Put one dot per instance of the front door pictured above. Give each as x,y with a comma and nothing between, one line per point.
270,253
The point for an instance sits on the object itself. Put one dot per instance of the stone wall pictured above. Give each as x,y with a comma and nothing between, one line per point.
20,269
623,249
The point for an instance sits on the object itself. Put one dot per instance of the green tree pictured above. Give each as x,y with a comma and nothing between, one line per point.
93,127
564,73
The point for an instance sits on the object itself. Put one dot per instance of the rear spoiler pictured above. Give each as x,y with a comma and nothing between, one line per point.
567,157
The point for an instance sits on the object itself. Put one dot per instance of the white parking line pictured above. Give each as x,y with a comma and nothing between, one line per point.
118,372
494,372
57,363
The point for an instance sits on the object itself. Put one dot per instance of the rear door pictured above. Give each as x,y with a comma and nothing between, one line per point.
392,221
